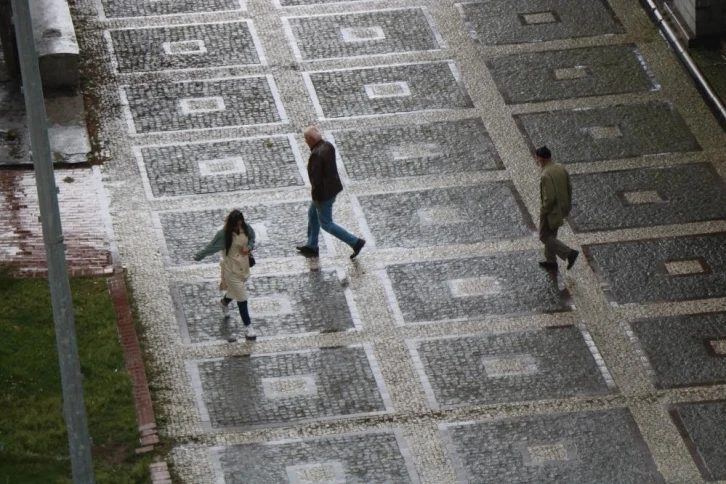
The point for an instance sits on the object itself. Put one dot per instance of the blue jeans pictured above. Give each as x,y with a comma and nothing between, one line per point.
322,218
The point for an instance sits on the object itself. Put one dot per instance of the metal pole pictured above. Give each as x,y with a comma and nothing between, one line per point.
74,409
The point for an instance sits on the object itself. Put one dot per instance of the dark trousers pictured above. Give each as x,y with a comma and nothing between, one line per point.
553,248
243,310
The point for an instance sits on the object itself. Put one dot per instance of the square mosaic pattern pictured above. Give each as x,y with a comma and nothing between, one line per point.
472,288
597,446
441,216
572,73
221,166
647,197
270,390
637,272
302,3
417,149
702,427
612,132
361,34
511,367
381,90
493,22
359,458
312,302
683,350
202,104
185,47
131,8
278,228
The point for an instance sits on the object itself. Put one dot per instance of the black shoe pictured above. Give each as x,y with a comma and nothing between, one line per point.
571,258
308,251
357,248
548,265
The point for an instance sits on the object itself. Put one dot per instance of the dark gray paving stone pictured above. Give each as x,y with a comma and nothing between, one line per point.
203,104
283,388
350,458
300,3
387,90
184,47
594,447
512,367
313,302
278,229
360,34
702,427
417,149
441,216
675,269
473,288
220,166
572,73
684,350
609,133
495,22
647,197
130,8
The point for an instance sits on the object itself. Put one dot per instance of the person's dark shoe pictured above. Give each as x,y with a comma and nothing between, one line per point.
571,258
357,248
551,266
308,251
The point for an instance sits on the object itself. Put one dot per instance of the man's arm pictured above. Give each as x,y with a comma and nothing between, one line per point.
315,173
549,196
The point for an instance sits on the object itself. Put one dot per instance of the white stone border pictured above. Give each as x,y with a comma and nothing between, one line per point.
126,108
358,211
385,282
256,43
192,367
146,182
452,67
599,361
102,12
421,372
105,213
290,35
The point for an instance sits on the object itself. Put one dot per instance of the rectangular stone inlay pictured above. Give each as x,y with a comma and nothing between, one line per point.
604,132
583,447
202,105
718,346
362,34
440,215
640,197
388,89
184,47
686,266
270,306
577,72
539,18
702,427
414,151
476,286
289,386
323,473
224,166
484,369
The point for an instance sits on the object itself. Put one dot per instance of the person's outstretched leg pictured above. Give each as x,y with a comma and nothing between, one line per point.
248,331
325,216
310,249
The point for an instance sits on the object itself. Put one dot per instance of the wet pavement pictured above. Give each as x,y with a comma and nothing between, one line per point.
443,354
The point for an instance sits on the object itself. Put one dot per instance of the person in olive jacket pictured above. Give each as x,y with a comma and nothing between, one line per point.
326,185
556,197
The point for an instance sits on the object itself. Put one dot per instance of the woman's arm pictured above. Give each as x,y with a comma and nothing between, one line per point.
216,245
250,236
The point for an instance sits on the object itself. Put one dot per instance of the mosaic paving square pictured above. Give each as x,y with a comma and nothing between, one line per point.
303,3
572,73
510,367
221,166
313,302
194,46
361,34
131,8
647,197
472,288
417,149
381,90
609,133
350,458
595,446
278,228
203,104
282,388
701,426
658,270
441,216
494,22
684,350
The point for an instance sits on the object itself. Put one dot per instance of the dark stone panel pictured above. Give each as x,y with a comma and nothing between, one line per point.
702,427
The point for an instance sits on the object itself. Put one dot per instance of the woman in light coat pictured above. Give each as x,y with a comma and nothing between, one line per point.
235,240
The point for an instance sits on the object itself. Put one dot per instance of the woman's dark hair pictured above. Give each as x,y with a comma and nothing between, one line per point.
230,228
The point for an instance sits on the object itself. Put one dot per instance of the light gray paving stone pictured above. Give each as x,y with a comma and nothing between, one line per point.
130,8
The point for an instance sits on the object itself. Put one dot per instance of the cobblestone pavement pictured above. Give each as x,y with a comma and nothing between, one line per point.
443,354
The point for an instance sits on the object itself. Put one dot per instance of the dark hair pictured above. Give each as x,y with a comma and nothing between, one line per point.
230,228
543,152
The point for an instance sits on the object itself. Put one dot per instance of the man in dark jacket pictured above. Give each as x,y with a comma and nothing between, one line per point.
323,174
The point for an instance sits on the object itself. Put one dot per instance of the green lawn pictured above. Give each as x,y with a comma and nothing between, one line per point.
33,442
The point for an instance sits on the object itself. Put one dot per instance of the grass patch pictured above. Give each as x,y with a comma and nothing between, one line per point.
32,431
